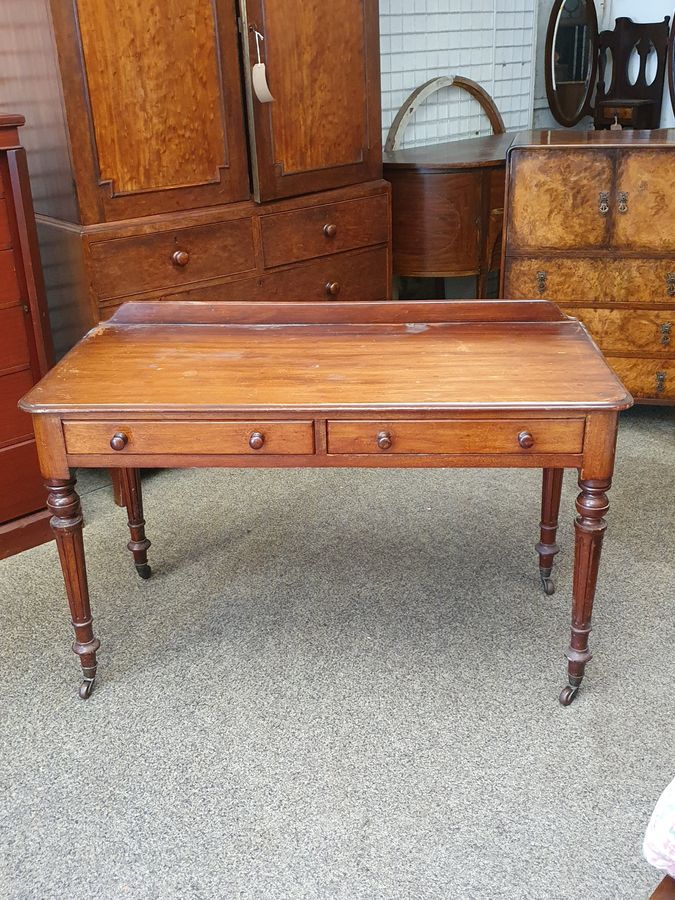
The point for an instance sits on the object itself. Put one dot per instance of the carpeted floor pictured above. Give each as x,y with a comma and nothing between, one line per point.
342,684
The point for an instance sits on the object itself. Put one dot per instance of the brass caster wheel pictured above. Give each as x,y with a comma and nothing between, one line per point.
86,688
143,570
568,694
547,583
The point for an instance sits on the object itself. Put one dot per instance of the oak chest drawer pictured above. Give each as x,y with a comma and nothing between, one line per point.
485,436
628,329
646,379
319,230
181,437
170,259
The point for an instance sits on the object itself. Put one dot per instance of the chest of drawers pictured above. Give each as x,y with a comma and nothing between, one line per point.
590,223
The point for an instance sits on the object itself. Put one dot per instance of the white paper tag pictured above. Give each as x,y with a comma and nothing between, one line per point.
260,86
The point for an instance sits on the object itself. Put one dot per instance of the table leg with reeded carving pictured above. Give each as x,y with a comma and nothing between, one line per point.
130,481
66,523
550,507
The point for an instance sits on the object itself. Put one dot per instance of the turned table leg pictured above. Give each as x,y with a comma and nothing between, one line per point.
589,527
66,522
130,482
550,506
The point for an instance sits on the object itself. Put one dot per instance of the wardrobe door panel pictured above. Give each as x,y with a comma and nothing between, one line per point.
322,129
645,201
153,96
561,201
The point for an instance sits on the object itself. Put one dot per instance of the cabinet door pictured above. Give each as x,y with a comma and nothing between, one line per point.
559,199
153,98
322,129
644,201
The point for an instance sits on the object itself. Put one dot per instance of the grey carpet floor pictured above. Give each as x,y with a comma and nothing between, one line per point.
342,684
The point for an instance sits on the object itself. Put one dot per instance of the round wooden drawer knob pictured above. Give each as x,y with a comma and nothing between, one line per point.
384,440
333,288
119,440
525,440
256,440
180,257
330,230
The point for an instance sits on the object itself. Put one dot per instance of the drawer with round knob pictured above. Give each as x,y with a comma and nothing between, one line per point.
480,436
168,260
321,230
188,438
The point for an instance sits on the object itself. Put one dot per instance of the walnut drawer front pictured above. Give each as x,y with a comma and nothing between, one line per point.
319,230
646,379
194,437
590,280
628,329
170,259
485,436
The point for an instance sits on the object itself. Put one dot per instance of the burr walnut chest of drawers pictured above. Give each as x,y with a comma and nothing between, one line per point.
590,224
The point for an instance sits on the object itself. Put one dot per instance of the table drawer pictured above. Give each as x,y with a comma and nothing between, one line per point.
180,437
170,259
646,379
628,329
319,230
457,436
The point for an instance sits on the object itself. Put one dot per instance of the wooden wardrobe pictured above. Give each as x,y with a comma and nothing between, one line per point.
25,351
157,171
590,224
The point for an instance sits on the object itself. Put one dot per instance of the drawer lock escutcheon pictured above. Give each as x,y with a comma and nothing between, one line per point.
119,440
670,284
542,278
256,441
660,382
666,329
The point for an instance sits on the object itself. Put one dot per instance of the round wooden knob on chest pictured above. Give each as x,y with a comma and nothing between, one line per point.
180,257
525,440
119,440
256,440
333,288
330,230
384,440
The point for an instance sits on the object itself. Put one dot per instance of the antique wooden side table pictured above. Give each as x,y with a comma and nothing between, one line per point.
444,384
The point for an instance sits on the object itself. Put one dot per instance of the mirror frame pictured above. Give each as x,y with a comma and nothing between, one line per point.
671,65
585,109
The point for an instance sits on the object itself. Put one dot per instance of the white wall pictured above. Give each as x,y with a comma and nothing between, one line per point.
490,41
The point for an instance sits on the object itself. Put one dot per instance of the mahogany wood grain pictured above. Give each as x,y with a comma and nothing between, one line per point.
14,346
15,425
178,437
302,234
5,234
132,493
21,491
472,153
323,128
10,292
456,436
452,384
133,265
22,534
547,547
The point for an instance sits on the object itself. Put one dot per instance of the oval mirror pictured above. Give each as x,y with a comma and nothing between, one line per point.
571,59
671,67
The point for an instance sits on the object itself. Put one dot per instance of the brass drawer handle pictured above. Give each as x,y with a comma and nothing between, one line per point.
525,440
542,278
330,230
666,328
384,440
603,203
622,197
333,288
660,382
256,440
180,258
119,440
670,284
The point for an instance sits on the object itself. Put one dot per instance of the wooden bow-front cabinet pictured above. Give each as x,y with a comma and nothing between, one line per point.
590,223
159,170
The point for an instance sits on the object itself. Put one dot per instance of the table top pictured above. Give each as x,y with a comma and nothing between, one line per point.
220,357
567,137
471,153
